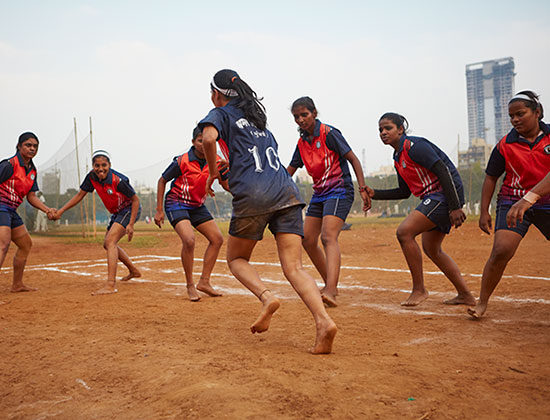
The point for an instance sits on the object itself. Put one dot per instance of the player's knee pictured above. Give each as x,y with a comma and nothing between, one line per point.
188,243
432,252
328,239
217,241
291,268
4,247
502,253
309,242
403,234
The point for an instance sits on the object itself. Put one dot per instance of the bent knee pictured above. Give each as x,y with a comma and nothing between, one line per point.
502,253
217,241
328,240
431,252
403,234
188,243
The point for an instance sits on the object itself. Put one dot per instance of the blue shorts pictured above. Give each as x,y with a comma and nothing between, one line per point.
196,216
538,217
123,217
10,218
437,212
287,220
338,207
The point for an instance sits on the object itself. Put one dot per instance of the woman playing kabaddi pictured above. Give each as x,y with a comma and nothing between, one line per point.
17,181
325,154
425,171
122,202
523,155
184,206
263,195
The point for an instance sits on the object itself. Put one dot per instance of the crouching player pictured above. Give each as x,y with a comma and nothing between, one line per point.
122,202
184,206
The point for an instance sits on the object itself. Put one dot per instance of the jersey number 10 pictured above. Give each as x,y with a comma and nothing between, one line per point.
271,155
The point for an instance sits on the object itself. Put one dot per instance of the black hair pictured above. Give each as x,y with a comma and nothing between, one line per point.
196,132
247,100
24,137
399,120
533,104
304,101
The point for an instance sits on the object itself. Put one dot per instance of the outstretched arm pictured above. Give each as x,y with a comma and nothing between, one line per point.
159,215
70,204
36,202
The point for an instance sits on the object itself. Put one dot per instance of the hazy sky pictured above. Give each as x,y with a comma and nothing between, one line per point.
142,69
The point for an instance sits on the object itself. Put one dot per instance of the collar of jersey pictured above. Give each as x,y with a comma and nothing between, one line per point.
316,132
514,137
22,162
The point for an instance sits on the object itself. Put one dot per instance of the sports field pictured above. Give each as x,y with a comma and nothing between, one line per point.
149,353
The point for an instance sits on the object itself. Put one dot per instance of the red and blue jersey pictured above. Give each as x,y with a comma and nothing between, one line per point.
115,190
323,156
524,163
189,175
257,180
413,160
16,181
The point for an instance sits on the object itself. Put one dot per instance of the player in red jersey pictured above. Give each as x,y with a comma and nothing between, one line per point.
185,209
524,156
17,181
427,172
122,202
325,153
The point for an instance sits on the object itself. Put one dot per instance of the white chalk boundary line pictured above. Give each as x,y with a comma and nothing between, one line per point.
79,264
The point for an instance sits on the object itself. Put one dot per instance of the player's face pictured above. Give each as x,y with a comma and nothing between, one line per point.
101,167
305,118
199,149
389,133
28,148
523,118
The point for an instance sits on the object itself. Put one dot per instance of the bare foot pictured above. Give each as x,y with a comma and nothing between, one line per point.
478,311
461,300
270,305
205,287
329,299
323,289
131,275
415,298
22,288
192,293
324,338
108,289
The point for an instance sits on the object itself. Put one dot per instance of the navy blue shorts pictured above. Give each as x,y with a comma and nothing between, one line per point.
10,218
437,212
538,217
123,217
338,207
287,220
196,216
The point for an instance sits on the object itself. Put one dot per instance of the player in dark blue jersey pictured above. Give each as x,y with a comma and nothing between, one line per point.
425,171
17,181
263,195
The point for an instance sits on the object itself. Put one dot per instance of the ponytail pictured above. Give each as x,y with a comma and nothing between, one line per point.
229,84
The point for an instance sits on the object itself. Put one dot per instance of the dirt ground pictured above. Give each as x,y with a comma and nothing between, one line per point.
149,353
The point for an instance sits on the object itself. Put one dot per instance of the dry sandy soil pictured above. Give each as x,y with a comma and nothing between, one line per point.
149,353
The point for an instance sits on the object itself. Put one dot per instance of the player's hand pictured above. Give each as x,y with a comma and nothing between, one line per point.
457,217
130,231
223,167
366,200
516,212
485,223
159,218
209,182
370,191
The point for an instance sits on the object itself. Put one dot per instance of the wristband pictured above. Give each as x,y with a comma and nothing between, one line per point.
531,197
363,188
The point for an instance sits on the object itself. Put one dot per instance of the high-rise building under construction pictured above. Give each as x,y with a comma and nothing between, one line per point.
490,85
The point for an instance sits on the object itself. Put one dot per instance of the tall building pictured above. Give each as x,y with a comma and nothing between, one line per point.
490,85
